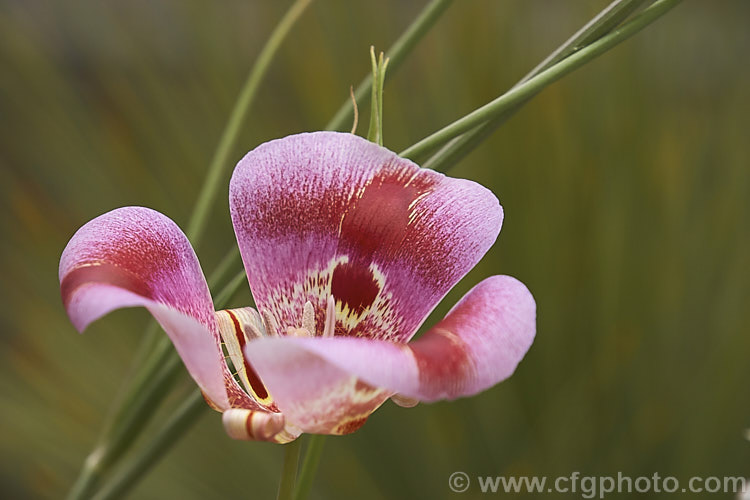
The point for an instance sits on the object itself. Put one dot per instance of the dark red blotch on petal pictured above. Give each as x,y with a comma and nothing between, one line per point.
355,286
442,361
377,221
374,230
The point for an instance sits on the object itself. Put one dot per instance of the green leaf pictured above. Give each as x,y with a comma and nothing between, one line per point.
521,93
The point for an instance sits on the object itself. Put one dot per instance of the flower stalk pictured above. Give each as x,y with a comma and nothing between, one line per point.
177,424
309,466
219,164
289,470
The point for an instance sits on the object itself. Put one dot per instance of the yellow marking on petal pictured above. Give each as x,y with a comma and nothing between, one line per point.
414,176
413,214
351,424
314,285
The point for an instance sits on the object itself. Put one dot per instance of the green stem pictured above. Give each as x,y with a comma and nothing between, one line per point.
226,264
172,429
178,423
535,84
156,379
309,466
289,470
219,165
223,297
396,54
604,22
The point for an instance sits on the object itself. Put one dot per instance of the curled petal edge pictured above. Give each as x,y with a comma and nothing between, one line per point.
256,425
136,256
193,341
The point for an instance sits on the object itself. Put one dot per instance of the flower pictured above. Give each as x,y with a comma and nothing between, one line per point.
347,249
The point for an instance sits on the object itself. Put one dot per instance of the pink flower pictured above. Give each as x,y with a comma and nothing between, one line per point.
347,249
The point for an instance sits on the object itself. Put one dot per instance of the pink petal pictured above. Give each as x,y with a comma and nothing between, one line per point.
313,394
135,256
331,213
480,342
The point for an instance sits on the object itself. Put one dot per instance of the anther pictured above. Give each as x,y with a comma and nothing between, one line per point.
308,318
297,332
270,324
330,326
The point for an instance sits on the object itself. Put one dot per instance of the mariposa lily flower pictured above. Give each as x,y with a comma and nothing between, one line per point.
347,249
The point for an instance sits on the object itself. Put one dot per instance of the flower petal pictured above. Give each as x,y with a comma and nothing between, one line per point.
236,327
312,393
478,344
135,256
256,425
328,213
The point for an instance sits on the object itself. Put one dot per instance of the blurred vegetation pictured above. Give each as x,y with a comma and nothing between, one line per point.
626,189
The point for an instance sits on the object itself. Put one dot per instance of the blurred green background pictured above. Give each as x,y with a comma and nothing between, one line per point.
626,188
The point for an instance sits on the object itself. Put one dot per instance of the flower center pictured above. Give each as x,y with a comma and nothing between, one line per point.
309,327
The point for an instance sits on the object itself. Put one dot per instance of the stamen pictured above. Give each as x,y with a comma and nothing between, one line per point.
330,326
253,319
308,318
297,332
270,324
254,330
